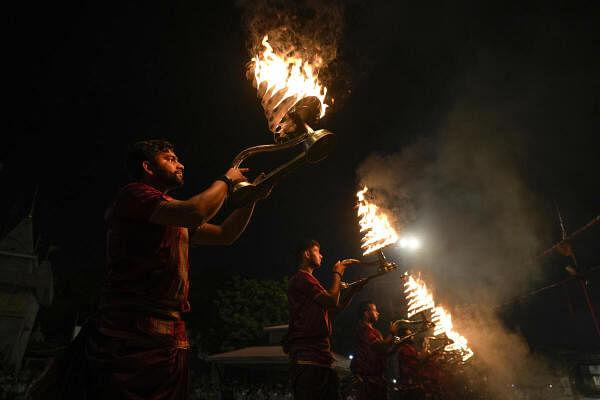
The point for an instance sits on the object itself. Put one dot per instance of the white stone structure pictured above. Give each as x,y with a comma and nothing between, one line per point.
25,284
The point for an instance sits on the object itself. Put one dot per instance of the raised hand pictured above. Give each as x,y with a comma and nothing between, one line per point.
236,175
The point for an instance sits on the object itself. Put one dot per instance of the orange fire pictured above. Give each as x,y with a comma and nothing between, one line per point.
378,233
288,77
419,299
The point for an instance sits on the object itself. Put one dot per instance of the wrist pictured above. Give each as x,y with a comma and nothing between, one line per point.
337,272
228,182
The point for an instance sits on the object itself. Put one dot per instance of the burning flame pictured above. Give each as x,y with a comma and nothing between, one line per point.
419,299
298,77
378,233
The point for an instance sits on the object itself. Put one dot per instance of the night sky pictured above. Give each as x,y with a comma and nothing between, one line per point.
86,79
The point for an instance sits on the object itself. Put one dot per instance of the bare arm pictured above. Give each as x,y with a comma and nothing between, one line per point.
226,233
332,296
198,209
386,346
341,306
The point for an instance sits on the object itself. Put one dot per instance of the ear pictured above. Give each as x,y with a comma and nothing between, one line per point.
147,167
306,254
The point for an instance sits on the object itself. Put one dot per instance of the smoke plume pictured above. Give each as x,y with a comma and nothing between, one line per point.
460,189
309,30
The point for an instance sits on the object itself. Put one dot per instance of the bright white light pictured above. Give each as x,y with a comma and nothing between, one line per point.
409,243
351,356
394,381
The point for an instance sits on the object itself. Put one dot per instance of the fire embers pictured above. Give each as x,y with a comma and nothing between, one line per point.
290,93
420,299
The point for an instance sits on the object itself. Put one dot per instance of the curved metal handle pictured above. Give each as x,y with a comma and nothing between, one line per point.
266,148
359,262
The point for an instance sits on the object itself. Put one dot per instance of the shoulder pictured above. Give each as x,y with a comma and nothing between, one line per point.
302,278
140,188
301,282
138,191
137,200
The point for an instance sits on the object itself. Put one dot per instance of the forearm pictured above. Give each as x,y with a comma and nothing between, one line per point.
385,345
192,212
341,306
236,223
334,289
209,202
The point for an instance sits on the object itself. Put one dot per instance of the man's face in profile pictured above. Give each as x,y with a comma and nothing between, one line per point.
169,169
315,257
372,314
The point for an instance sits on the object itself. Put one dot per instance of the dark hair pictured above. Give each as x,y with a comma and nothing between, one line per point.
145,150
364,306
305,244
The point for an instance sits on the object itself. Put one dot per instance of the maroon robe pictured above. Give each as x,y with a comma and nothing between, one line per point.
309,329
369,364
307,341
135,348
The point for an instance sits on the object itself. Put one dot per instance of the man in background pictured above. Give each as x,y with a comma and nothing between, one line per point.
372,349
308,339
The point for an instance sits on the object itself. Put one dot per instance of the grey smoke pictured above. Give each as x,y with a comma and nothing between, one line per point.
461,190
294,28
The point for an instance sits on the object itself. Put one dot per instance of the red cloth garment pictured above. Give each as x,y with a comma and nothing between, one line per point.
409,366
368,361
147,263
369,364
136,348
309,329
141,363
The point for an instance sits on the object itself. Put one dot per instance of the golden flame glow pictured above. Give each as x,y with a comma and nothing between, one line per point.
419,299
297,76
378,233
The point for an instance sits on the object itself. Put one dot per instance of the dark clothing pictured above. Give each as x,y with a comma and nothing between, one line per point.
147,263
100,367
309,329
410,382
369,364
310,382
135,348
307,341
139,349
143,366
368,361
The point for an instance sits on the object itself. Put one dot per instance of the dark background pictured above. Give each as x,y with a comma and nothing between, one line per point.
87,79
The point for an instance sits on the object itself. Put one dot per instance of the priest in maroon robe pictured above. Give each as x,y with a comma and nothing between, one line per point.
372,349
308,339
135,347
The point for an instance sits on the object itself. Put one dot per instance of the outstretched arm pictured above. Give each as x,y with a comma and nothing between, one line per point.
233,226
334,311
386,346
332,296
226,233
198,209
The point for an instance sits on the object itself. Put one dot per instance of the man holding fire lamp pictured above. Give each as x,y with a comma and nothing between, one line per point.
372,349
308,339
136,347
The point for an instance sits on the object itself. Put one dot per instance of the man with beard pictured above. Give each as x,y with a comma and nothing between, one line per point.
308,339
136,347
372,349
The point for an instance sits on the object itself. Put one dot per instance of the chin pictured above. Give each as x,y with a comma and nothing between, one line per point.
177,182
